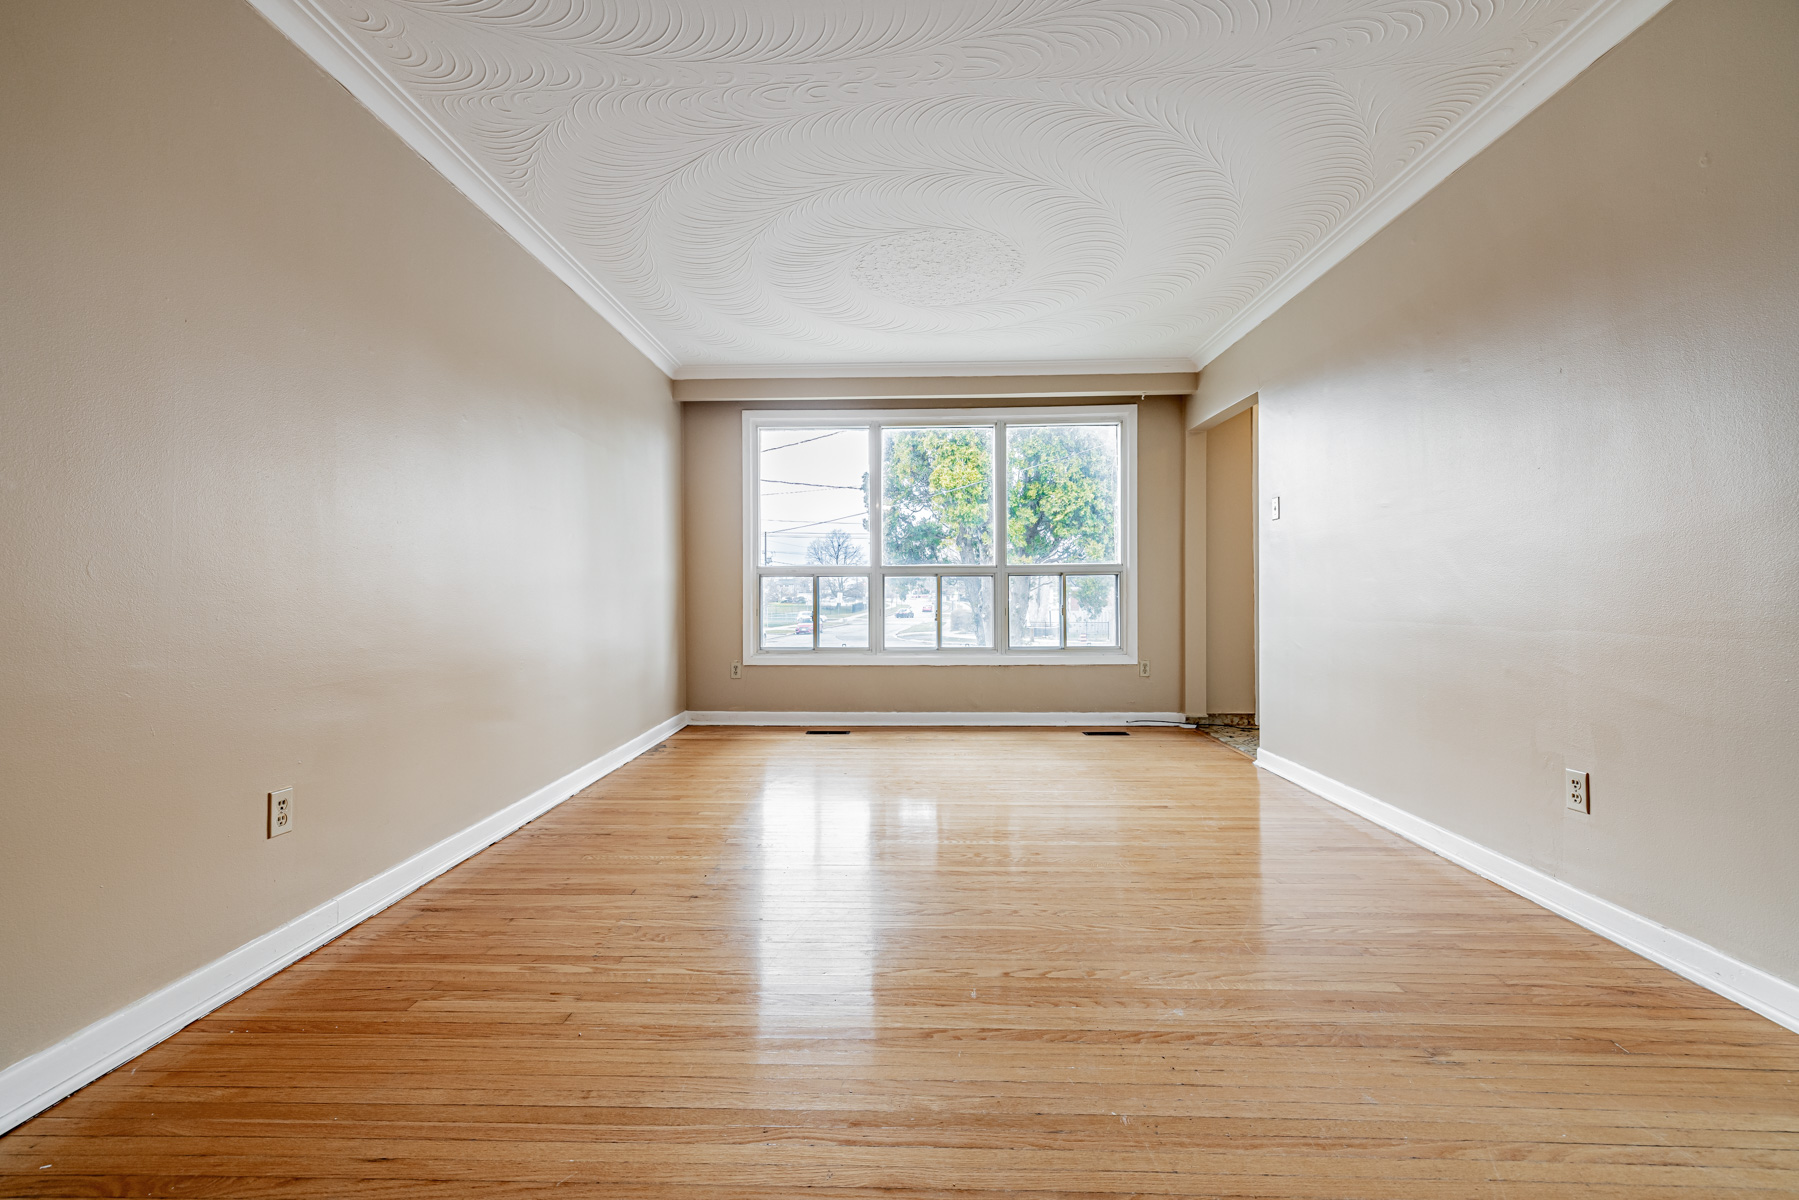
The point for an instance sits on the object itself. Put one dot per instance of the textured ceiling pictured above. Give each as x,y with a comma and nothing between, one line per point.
844,182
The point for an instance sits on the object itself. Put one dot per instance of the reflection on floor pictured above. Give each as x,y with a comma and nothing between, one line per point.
756,965
1238,737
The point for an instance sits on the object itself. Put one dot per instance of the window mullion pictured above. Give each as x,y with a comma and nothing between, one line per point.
1062,581
937,606
877,561
1001,602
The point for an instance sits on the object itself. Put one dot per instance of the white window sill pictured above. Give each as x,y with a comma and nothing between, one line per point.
938,658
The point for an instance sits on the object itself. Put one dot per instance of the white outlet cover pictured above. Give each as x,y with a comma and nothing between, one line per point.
1577,792
281,812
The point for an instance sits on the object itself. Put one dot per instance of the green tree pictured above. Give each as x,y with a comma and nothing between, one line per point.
937,485
1063,501
1091,598
1091,595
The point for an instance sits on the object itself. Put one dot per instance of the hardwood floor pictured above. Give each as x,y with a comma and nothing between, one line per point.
907,963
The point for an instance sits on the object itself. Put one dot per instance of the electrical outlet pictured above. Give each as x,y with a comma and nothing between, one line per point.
736,670
281,812
1274,509
1143,668
1578,795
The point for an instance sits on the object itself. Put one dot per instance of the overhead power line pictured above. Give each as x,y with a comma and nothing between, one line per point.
810,524
821,437
842,487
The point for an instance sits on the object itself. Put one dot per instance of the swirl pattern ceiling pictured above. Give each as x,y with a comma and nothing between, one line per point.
905,181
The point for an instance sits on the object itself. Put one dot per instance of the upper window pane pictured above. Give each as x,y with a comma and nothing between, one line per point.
937,496
1062,494
814,496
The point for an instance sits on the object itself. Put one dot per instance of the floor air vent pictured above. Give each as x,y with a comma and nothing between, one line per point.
826,732
1105,733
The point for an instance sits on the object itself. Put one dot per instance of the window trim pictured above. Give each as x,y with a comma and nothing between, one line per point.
876,655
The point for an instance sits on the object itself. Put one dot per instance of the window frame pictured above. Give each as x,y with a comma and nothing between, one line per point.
876,572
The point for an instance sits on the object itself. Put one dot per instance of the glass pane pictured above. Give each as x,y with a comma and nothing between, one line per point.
937,496
1062,493
786,613
1092,610
843,611
1035,611
910,615
968,611
813,485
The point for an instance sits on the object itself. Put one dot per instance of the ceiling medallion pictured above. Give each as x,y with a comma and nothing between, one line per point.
938,268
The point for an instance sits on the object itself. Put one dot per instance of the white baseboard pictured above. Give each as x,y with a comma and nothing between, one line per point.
33,1084
1707,966
932,718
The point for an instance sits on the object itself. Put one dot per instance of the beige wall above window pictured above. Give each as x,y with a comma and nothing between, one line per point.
719,526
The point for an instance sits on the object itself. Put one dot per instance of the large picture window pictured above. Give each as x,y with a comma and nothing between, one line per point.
942,536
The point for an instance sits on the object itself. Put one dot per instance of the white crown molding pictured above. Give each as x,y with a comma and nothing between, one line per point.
1578,47
379,69
937,370
992,719
1707,966
936,387
33,1084
340,57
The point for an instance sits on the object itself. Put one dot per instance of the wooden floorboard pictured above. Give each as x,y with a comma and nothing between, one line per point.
755,964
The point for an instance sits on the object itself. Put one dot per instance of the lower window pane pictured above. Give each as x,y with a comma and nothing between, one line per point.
1092,610
910,613
843,611
968,611
786,613
1034,611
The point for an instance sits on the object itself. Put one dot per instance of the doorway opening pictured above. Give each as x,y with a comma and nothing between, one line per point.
1222,502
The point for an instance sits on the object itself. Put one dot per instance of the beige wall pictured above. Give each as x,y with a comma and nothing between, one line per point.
1193,576
1537,446
712,436
309,476
1231,565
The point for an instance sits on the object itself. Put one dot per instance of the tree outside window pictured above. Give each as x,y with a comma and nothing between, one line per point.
943,575
1062,502
937,488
